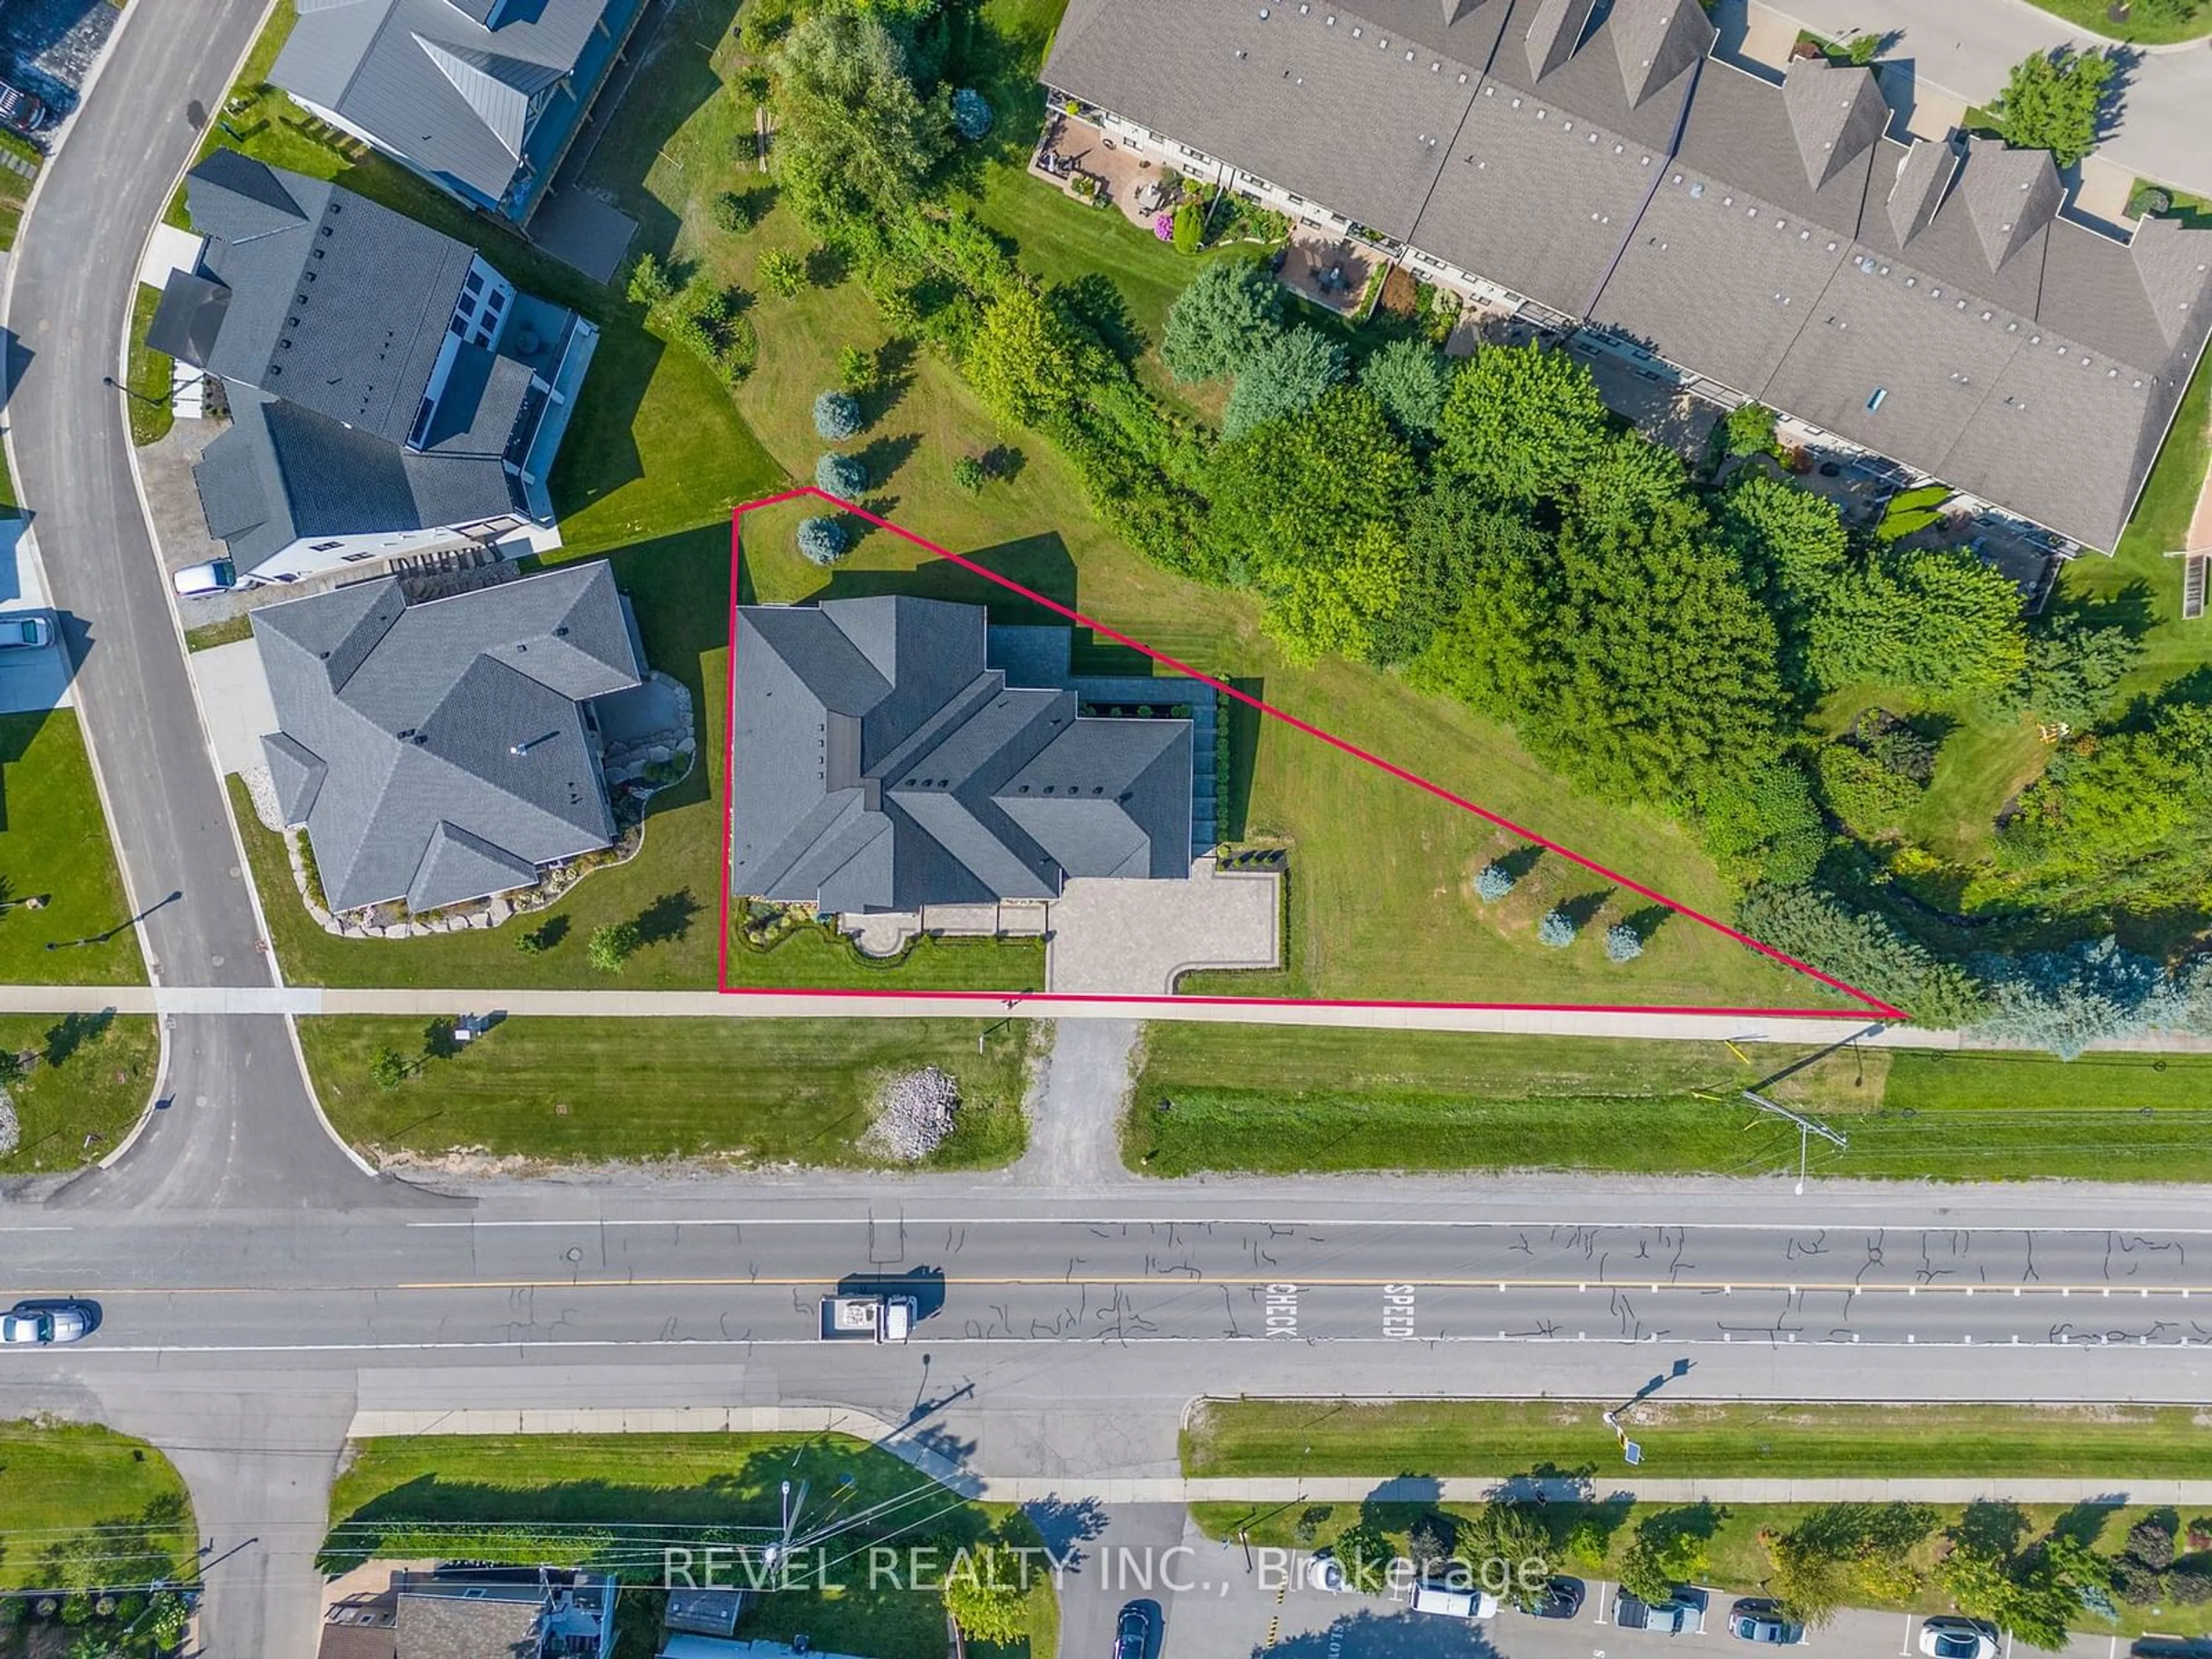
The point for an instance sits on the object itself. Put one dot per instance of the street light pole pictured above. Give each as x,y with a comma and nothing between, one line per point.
114,385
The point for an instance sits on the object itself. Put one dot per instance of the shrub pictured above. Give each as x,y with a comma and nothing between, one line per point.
842,475
822,541
1623,942
1870,799
1493,883
1861,949
836,415
2149,201
1764,827
2064,1000
2151,1542
1188,226
611,947
856,370
781,273
650,284
1558,929
972,114
530,942
741,348
732,212
968,473
1749,430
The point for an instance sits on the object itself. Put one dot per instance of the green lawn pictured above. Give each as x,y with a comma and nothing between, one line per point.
694,1487
229,631
54,845
1359,1100
809,959
150,373
752,1092
1472,1437
1736,1561
2095,16
91,1077
14,187
57,1479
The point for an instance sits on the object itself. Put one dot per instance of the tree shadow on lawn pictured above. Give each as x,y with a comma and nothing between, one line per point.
1040,563
672,85
668,917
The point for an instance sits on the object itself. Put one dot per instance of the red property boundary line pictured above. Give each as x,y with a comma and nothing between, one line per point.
1868,1003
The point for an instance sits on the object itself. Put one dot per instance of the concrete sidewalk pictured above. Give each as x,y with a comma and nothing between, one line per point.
312,1000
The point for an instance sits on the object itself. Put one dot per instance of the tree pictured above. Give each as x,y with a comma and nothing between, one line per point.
856,370
1493,883
1497,1540
968,474
733,212
1557,928
836,415
1366,1557
1286,377
1025,362
1331,608
1793,548
1665,1550
1935,620
1430,1541
2075,668
2064,1000
1409,377
1231,311
1872,800
2055,100
822,541
972,115
1763,826
611,947
1520,423
650,283
1623,942
11,1068
853,135
1839,1553
984,1592
388,1070
2123,817
1863,950
781,273
1449,534
1297,493
1749,429
2032,1593
842,475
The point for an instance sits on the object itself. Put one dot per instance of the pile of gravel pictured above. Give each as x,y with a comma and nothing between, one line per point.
917,1114
11,1132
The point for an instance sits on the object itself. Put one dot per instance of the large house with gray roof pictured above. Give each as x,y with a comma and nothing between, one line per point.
1594,168
388,391
481,97
891,754
444,750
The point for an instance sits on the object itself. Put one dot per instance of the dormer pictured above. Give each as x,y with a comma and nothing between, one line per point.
1836,113
2010,194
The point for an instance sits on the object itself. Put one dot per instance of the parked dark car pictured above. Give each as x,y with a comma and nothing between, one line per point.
21,111
1560,1598
1133,1631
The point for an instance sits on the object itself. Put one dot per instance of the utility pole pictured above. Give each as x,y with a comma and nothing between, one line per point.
1806,1128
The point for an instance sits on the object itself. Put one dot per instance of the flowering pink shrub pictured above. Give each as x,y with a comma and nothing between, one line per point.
1163,227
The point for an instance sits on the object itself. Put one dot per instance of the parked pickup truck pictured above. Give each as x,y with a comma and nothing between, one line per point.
867,1318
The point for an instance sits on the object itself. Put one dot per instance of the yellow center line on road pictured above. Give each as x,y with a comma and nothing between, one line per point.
892,1285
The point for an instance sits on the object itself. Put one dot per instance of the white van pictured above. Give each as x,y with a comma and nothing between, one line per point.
1449,1603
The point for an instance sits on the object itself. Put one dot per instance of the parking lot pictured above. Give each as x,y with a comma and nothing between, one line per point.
1224,1602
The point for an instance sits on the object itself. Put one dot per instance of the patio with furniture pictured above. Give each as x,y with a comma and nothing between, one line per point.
1092,166
1329,269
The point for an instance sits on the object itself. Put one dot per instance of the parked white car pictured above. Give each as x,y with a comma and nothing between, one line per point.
1953,1637
216,576
1449,1603
26,631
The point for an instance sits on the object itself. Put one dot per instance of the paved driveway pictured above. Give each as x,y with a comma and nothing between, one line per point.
1134,938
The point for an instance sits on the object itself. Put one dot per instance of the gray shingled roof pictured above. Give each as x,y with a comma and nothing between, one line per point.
880,764
1596,172
339,306
430,81
454,755
440,1626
